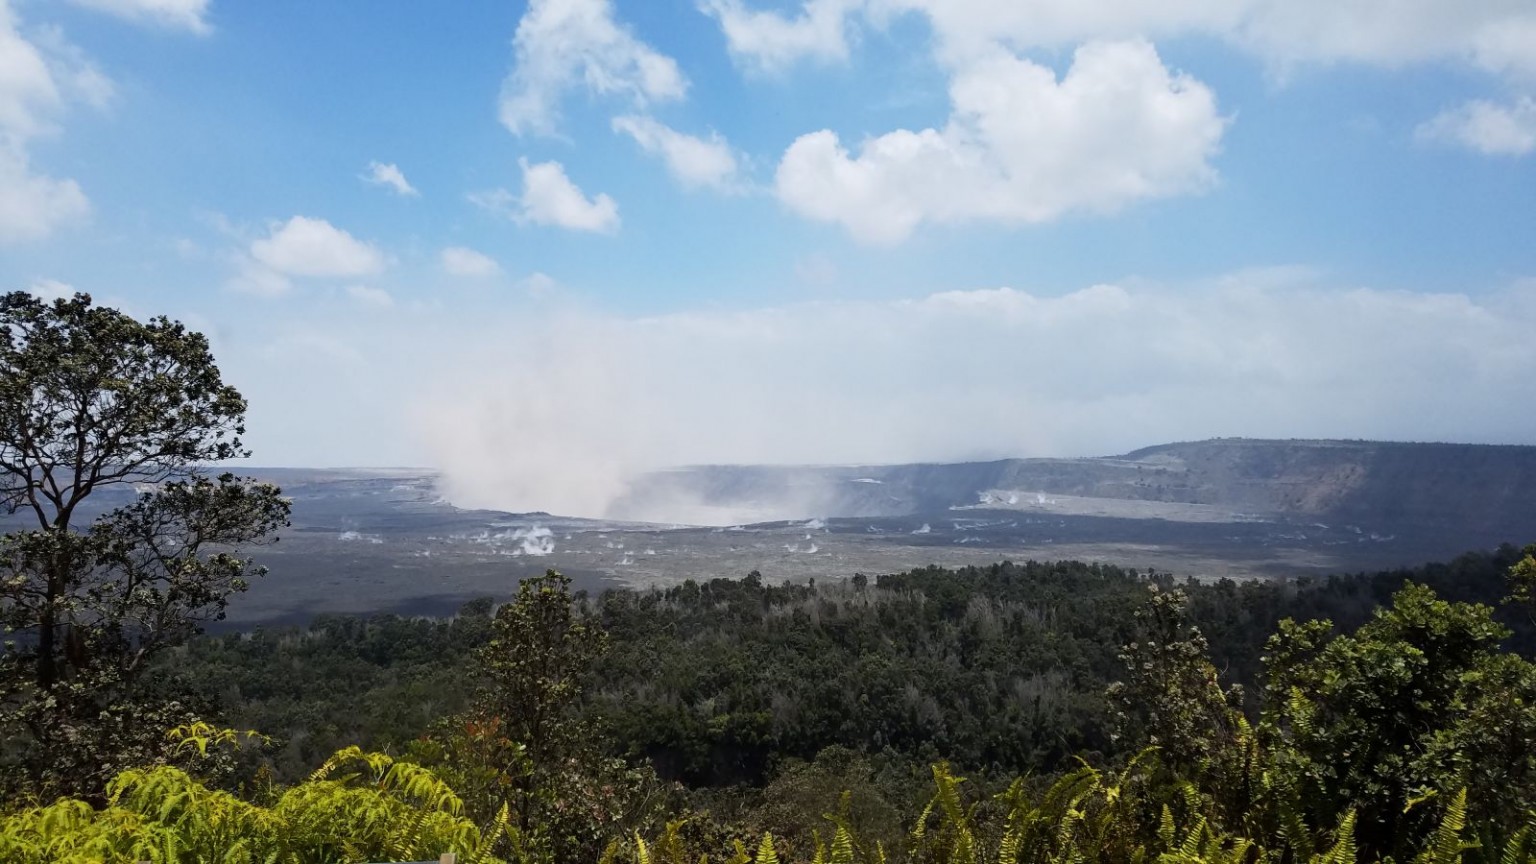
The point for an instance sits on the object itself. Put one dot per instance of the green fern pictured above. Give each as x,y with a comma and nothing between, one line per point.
1446,846
765,853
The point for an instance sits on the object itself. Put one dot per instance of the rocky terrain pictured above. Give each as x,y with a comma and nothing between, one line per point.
383,540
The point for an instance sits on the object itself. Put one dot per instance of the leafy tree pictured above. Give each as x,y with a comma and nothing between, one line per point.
1522,578
1173,700
794,802
522,754
536,665
96,403
1417,704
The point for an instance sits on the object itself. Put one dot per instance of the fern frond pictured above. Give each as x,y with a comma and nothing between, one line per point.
1343,850
1517,849
842,846
1446,847
765,853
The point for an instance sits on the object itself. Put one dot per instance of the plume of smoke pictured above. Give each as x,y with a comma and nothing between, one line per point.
567,417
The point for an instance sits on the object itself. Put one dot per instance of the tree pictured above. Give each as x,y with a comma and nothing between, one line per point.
1172,699
1522,579
536,665
523,751
1417,703
97,405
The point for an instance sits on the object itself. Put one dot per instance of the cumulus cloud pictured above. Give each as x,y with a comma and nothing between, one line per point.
1487,127
768,42
550,198
28,93
305,246
692,160
39,77
33,205
190,15
1496,36
533,424
1020,147
465,262
390,175
562,44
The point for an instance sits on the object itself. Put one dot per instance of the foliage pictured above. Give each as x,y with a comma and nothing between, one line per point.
999,670
378,682
717,682
1172,699
357,807
533,669
1419,701
1522,578
92,402
1137,815
1408,739
521,752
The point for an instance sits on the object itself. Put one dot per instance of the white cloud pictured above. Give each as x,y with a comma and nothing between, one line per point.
768,42
527,424
1020,147
693,161
550,198
388,174
1508,47
369,296
304,246
38,79
1496,35
28,93
562,44
1487,127
33,205
75,74
462,261
1493,35
190,15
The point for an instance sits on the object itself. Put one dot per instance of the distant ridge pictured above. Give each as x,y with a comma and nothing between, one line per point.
1483,493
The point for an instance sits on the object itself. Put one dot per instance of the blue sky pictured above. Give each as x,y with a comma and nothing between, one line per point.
545,246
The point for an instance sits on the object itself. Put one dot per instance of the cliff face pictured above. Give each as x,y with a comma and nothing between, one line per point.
1486,494
1359,481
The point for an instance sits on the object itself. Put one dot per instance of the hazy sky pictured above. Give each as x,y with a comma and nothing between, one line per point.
546,245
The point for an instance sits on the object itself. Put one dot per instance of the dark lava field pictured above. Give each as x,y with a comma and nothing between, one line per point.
383,540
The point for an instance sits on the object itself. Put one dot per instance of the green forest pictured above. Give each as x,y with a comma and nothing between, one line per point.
1021,712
